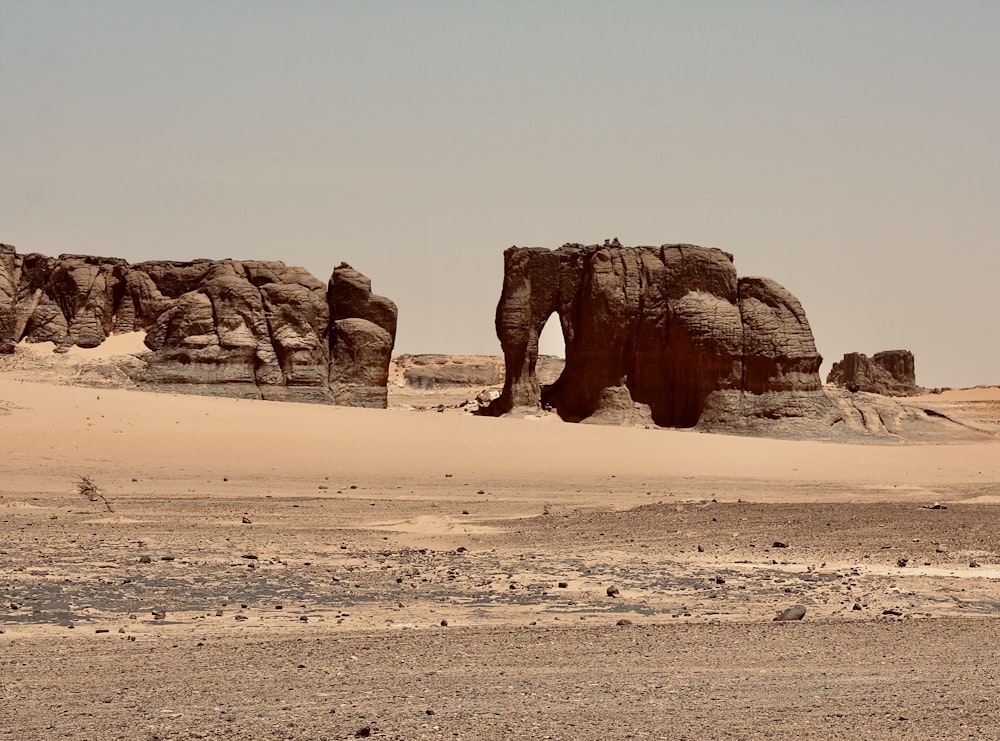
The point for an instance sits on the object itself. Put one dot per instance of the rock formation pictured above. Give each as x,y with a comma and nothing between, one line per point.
890,373
669,333
428,372
232,327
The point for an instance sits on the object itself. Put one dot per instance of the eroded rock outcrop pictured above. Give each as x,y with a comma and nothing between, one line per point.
669,333
890,373
234,327
431,371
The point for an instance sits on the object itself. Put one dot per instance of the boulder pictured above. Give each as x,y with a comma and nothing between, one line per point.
890,373
233,327
669,333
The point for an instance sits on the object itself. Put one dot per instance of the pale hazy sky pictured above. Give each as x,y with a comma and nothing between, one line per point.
848,150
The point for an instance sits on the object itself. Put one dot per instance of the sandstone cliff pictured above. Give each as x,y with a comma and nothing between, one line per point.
245,328
890,373
667,332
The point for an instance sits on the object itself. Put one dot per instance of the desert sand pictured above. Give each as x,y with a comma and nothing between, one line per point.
280,570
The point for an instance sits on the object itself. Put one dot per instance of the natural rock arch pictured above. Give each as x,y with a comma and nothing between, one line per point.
670,331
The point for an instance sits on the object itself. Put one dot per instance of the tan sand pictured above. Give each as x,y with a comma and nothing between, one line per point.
305,557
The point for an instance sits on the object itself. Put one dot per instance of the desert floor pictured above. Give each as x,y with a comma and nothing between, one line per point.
275,570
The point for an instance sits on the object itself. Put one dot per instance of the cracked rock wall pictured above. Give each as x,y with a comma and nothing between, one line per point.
231,327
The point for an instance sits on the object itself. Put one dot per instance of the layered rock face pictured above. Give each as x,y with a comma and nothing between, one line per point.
670,332
245,328
890,373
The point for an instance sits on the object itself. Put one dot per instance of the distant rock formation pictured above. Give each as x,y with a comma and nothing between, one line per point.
666,333
229,327
428,372
890,373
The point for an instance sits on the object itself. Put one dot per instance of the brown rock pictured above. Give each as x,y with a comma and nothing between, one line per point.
666,332
890,373
237,328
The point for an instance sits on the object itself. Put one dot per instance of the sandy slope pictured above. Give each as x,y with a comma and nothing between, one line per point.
305,557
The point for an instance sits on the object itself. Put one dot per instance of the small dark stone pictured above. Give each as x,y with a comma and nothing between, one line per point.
353,486
795,612
159,614
250,556
304,619
102,630
893,611
246,520
461,548
856,606
429,711
363,732
444,623
720,580
780,544
241,617
167,558
973,564
901,562
701,549
323,486
612,591
624,621
563,585
145,559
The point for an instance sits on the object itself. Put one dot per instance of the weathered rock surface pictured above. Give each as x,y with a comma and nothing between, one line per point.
668,333
890,373
243,328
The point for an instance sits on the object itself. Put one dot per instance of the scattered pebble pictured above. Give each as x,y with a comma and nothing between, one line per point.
795,612
612,591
